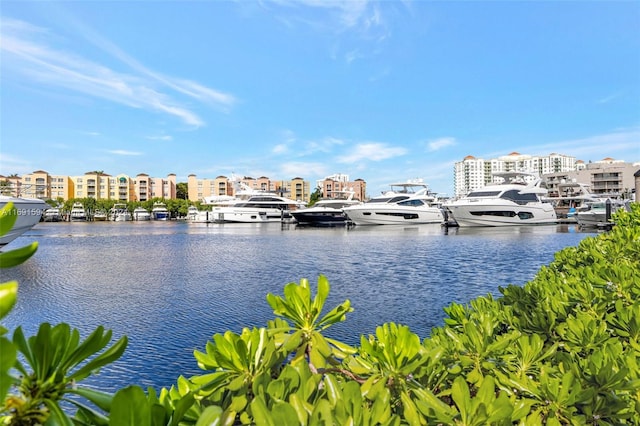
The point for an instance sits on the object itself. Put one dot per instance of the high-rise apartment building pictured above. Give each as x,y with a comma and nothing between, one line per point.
473,173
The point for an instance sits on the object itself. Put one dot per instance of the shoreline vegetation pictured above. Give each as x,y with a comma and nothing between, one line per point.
562,349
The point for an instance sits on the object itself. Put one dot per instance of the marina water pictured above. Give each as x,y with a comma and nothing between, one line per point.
170,286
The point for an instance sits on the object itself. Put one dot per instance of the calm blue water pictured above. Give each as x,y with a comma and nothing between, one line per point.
170,286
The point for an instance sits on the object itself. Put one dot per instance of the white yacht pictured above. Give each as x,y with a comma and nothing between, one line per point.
408,202
595,215
257,209
120,213
572,196
78,213
251,206
28,213
326,212
159,211
515,201
141,214
53,214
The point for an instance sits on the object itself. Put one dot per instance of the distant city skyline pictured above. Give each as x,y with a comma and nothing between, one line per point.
381,91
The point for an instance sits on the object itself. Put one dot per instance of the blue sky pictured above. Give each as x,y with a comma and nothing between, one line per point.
382,91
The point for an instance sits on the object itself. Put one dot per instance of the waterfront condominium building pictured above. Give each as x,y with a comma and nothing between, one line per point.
94,184
38,184
335,186
607,178
198,189
473,173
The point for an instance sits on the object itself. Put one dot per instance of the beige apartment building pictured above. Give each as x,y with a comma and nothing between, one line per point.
336,188
95,184
296,188
142,187
607,177
198,189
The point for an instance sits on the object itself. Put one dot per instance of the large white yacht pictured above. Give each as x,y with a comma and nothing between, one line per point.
326,212
515,201
251,206
408,202
28,213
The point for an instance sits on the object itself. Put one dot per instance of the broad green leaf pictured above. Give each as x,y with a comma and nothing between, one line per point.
130,408
11,258
8,217
8,354
8,296
102,400
210,416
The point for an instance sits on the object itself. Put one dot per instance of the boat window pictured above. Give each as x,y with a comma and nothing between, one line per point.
516,196
398,199
378,200
500,213
483,194
398,214
412,203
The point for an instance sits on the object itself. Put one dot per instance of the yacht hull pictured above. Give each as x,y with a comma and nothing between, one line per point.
320,217
388,215
248,215
502,215
28,212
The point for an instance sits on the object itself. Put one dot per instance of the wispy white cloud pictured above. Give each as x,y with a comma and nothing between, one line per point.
609,98
438,144
372,151
324,145
623,144
354,22
160,138
11,164
302,169
24,50
281,148
124,152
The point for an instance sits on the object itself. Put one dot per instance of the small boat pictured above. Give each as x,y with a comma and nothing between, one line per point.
120,213
517,200
78,213
196,216
409,202
100,215
572,196
325,212
598,214
159,211
53,214
29,211
141,214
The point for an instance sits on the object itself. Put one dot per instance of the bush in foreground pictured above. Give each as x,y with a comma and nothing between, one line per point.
562,349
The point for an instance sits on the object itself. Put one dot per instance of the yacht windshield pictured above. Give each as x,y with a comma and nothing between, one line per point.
483,194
